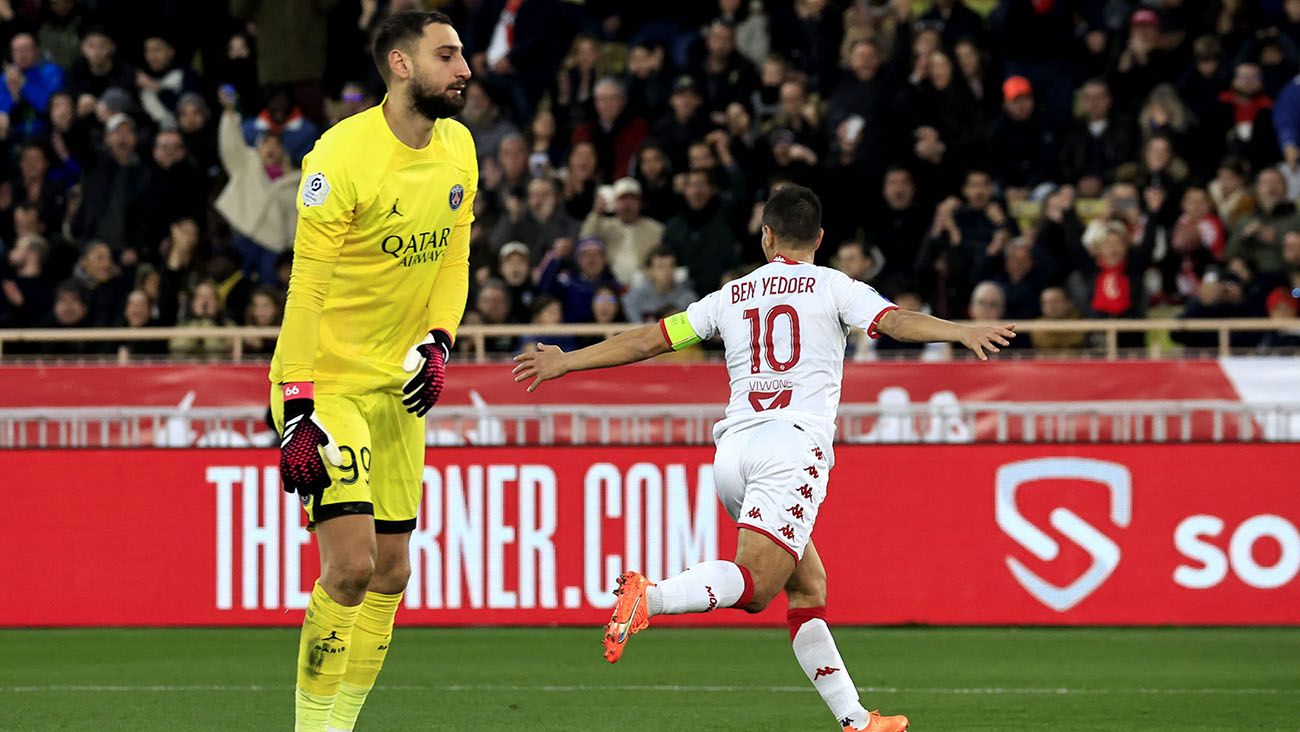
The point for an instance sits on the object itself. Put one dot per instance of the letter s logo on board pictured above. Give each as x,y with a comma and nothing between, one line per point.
1104,552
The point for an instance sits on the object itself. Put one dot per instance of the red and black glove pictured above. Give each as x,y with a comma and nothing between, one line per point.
428,360
302,470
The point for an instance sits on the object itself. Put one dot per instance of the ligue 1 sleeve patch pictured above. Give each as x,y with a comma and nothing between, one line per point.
456,196
315,190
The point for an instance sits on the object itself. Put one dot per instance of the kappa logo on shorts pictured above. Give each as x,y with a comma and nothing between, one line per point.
797,511
754,513
804,491
788,532
456,197
825,671
818,452
812,470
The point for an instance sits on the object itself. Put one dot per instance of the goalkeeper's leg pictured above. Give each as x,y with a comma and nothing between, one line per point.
347,546
373,632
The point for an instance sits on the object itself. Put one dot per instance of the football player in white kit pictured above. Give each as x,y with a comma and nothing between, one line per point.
784,328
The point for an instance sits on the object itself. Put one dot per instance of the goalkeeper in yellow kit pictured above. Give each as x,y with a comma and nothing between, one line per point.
380,276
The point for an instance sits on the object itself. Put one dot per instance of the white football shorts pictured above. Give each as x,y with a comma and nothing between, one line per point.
771,478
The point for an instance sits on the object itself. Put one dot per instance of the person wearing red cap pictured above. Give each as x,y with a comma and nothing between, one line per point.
1143,64
1022,147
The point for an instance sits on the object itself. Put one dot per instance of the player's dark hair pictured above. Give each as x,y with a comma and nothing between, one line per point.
794,214
400,29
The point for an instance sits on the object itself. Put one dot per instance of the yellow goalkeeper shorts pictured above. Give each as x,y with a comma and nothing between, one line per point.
383,459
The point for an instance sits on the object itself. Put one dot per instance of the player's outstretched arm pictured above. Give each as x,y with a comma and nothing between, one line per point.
908,325
630,346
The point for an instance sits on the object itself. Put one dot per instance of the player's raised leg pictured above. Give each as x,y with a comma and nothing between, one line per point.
749,583
347,547
815,649
373,633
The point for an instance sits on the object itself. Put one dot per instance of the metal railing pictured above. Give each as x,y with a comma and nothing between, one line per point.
936,422
476,336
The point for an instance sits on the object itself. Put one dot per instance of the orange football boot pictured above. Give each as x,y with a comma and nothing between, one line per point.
631,614
877,723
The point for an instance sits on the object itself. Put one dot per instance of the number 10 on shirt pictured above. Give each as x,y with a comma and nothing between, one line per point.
761,330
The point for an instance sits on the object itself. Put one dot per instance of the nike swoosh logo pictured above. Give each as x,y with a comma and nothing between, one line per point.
623,627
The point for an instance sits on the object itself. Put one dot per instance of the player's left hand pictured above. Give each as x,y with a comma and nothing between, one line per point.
981,338
428,360
544,364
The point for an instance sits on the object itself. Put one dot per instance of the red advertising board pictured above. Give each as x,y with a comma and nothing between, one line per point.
1188,534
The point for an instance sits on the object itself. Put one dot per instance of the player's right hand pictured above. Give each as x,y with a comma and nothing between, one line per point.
544,364
981,338
302,470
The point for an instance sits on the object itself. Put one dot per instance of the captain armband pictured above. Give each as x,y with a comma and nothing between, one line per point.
678,332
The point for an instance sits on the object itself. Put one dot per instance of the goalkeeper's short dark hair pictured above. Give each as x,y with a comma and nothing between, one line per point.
400,29
794,214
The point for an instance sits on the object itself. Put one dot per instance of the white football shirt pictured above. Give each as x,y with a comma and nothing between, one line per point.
784,327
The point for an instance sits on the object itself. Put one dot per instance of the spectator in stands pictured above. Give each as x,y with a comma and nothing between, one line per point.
511,46
1197,239
658,290
1244,119
546,311
544,140
202,311
649,80
1097,144
115,193
163,80
138,313
27,297
1022,145
965,231
1144,62
30,80
573,274
281,117
1056,305
259,201
512,158
265,310
539,222
1020,278
295,59
1114,274
1230,194
492,307
701,236
484,119
36,186
177,190
580,178
515,268
896,225
193,119
684,124
860,262
726,76
1219,295
629,237
70,311
615,132
98,69
606,309
1259,237
1282,307
58,31
654,172
104,284
987,302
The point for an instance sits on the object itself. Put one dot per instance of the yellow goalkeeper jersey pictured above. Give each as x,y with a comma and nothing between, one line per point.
381,253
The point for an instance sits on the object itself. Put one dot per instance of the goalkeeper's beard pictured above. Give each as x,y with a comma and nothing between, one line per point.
435,106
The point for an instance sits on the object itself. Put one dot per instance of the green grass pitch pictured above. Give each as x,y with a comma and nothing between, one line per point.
945,679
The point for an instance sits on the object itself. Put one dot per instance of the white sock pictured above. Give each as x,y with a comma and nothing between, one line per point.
706,586
820,659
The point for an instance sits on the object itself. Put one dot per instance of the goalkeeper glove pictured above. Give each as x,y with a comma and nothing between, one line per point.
428,360
302,470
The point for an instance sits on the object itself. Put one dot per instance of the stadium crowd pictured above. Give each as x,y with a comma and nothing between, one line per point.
1023,159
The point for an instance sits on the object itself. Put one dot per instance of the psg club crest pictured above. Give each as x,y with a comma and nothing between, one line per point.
457,195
